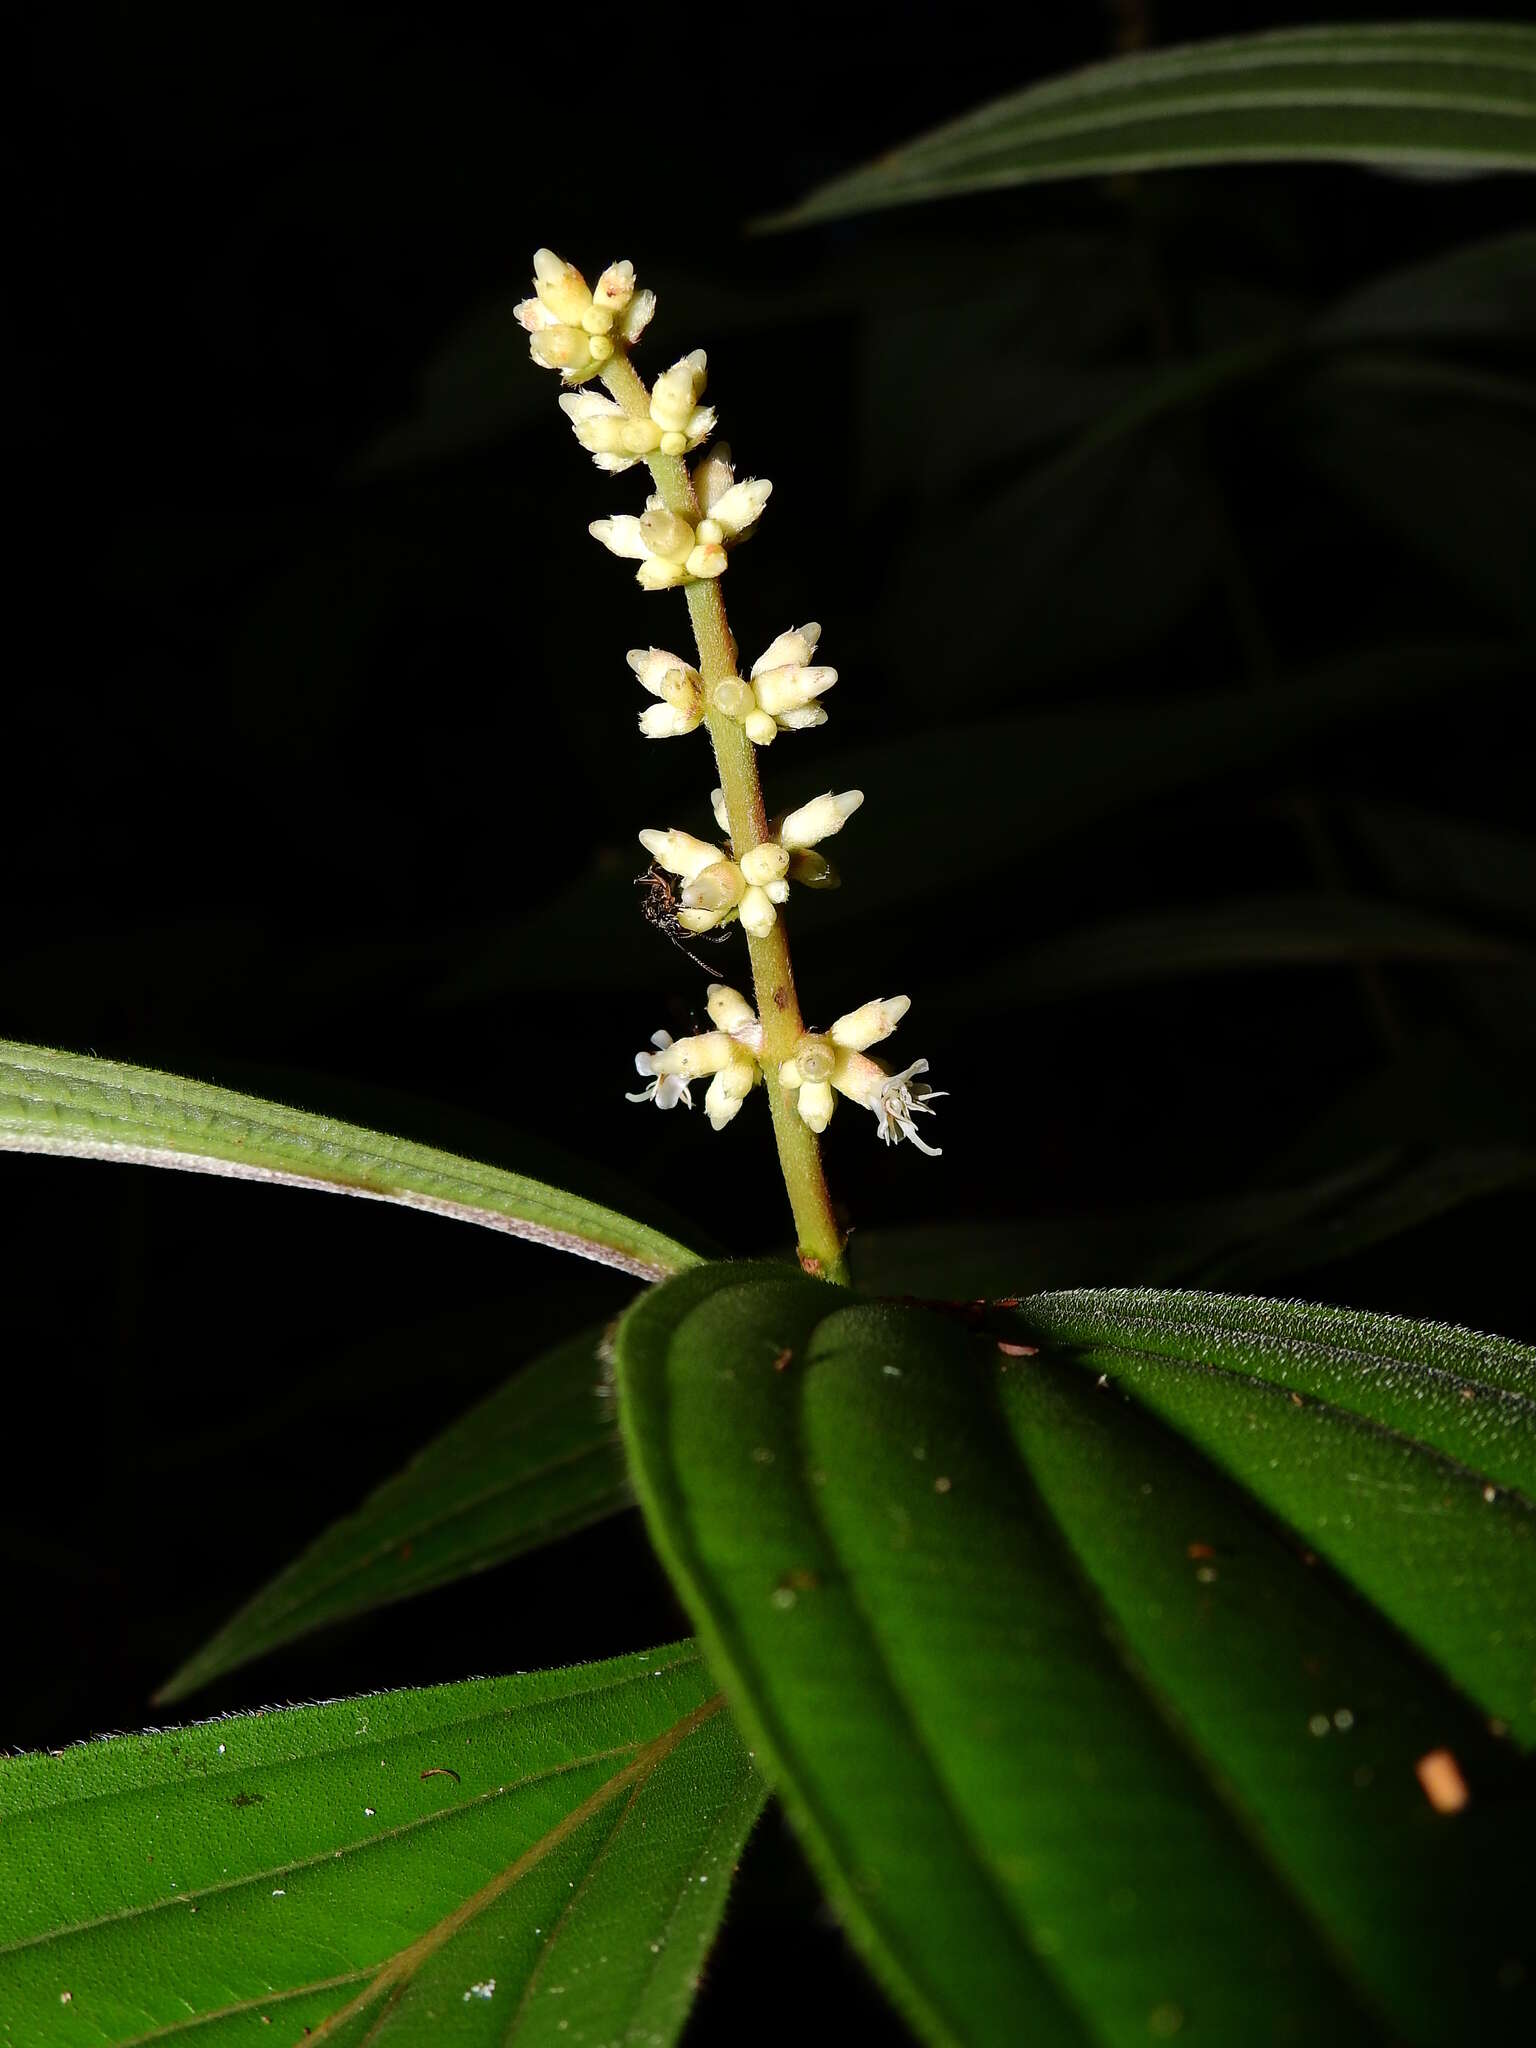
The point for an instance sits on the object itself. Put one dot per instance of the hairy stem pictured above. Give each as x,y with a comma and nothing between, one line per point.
773,980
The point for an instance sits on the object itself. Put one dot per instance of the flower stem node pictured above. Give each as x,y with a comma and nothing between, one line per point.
836,1061
576,330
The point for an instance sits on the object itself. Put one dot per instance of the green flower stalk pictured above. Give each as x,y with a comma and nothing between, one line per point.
683,540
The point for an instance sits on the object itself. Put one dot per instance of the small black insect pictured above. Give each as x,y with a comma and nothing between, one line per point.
658,906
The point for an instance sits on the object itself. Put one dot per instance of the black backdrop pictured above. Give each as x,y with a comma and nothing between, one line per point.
322,777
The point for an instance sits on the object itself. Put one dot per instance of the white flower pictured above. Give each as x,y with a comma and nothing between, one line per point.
728,1054
668,677
836,1061
574,330
894,1098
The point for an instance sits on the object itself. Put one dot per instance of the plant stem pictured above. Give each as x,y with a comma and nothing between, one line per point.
773,980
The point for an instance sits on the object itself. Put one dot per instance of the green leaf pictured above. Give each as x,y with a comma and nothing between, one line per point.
1159,1241
1245,1240
371,1868
1463,862
69,1106
537,1460
1275,931
1417,96
1485,288
1403,1452
1441,457
1410,1195
1085,1746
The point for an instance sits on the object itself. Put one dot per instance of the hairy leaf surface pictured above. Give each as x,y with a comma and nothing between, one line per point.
1086,1743
511,1860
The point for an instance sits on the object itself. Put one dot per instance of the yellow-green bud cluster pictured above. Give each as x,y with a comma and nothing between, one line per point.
669,550
717,888
574,329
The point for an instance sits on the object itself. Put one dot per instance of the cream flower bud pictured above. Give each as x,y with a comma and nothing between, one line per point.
815,1058
653,665
820,818
738,510
636,316
560,286
804,720
727,1092
760,729
757,913
790,1075
717,887
866,1026
602,434
717,805
705,1053
791,650
731,1012
655,574
732,696
683,689
707,561
599,348
676,392
679,852
764,864
615,288
665,534
699,921
667,721
621,536
596,321
776,892
815,1104
713,475
531,315
781,690
563,348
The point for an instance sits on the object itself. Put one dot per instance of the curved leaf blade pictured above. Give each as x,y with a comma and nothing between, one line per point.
71,1106
535,1461
353,1870
1404,1453
1008,1736
1417,96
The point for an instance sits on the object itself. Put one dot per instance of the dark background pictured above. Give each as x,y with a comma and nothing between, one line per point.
323,780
